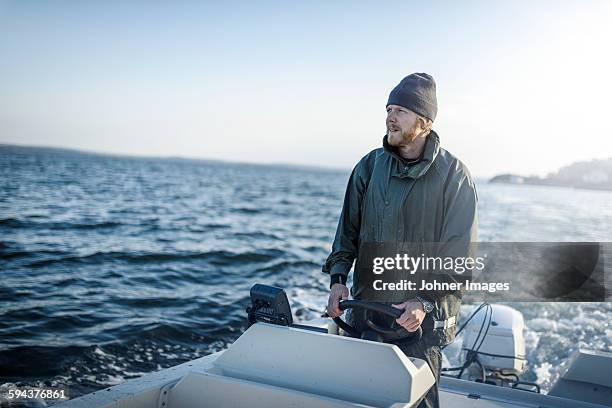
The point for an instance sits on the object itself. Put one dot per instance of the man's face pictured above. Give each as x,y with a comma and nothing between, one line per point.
402,125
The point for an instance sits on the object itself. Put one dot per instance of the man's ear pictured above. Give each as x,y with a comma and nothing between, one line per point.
425,125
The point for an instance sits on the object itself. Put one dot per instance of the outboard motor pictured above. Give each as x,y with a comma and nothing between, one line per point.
497,339
494,348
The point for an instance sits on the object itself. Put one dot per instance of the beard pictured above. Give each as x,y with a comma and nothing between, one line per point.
402,137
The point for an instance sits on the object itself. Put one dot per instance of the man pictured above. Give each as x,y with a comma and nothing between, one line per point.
410,191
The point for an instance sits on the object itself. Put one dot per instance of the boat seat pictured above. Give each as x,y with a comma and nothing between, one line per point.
203,390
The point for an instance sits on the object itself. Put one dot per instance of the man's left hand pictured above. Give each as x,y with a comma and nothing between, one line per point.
413,315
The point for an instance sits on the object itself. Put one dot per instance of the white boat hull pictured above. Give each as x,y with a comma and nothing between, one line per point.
279,366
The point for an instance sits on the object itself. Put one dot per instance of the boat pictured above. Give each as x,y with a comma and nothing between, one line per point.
278,363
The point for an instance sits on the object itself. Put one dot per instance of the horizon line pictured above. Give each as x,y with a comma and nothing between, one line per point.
172,157
240,162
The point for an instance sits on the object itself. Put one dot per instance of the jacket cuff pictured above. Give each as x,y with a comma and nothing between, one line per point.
341,268
337,278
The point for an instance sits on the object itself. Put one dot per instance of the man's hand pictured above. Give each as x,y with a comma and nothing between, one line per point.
413,315
338,292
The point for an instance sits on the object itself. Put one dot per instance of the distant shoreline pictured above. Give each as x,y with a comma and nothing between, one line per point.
591,175
543,184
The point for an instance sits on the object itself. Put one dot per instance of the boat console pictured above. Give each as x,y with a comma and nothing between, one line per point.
271,363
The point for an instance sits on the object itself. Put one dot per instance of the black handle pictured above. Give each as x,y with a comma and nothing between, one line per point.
373,306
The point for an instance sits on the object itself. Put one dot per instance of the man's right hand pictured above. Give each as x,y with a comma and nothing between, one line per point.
338,292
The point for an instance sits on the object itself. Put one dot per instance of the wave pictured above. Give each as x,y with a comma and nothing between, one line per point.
18,223
15,255
33,361
284,266
216,258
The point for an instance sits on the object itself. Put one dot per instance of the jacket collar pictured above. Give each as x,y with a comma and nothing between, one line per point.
403,169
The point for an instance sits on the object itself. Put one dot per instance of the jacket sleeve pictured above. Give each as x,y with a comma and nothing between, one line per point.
345,246
459,230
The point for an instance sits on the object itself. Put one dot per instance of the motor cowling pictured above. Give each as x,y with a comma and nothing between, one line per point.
503,346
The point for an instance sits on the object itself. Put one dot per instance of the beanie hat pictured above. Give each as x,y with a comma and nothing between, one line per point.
416,92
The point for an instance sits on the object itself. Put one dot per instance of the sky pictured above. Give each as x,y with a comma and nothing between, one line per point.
523,87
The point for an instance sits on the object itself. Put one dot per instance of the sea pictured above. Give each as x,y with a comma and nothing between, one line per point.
112,267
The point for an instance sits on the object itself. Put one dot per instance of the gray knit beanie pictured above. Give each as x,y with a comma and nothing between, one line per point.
416,92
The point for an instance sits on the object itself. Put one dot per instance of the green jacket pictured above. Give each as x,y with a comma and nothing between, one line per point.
389,202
